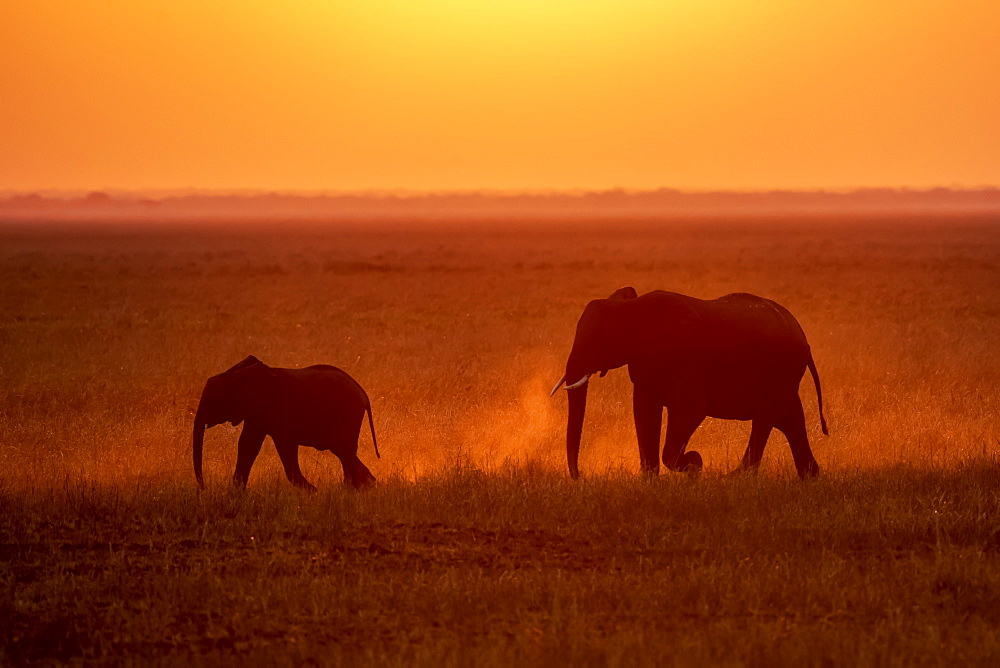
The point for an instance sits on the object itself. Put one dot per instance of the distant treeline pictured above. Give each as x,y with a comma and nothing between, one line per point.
618,202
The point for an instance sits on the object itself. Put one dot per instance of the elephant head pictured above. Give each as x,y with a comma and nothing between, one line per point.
227,397
601,344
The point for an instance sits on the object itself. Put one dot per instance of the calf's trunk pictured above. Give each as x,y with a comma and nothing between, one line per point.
198,440
574,427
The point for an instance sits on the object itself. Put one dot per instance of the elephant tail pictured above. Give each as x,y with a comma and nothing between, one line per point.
819,394
371,424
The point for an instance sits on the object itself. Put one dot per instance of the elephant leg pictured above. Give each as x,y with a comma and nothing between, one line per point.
249,447
759,431
648,414
356,473
681,423
288,452
793,426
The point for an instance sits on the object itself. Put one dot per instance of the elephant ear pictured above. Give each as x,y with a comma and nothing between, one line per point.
247,387
623,294
248,362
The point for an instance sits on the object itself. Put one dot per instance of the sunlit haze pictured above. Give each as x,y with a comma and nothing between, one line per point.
451,94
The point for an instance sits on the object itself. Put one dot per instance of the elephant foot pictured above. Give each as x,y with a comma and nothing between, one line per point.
810,470
363,479
360,485
690,462
744,469
304,485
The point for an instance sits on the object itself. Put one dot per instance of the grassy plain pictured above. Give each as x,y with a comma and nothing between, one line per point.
476,548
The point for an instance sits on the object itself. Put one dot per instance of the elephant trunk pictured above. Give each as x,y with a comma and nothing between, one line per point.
198,441
574,427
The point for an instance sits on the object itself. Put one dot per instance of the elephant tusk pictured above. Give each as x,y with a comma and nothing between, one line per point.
582,381
558,385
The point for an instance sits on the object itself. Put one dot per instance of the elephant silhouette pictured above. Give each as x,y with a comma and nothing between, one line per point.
318,406
738,357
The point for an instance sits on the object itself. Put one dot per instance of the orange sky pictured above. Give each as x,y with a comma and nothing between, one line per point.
453,94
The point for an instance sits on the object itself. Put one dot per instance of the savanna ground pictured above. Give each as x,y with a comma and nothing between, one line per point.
476,548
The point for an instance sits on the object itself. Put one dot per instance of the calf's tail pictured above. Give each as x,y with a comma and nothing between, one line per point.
819,394
371,424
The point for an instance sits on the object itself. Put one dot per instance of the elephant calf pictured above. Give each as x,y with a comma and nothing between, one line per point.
320,407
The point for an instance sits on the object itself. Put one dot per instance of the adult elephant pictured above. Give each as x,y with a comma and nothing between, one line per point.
738,357
319,406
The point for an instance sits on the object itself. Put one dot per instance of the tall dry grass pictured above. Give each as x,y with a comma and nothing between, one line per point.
898,567
476,548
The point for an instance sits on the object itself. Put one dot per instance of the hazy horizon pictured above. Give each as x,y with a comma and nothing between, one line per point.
489,192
